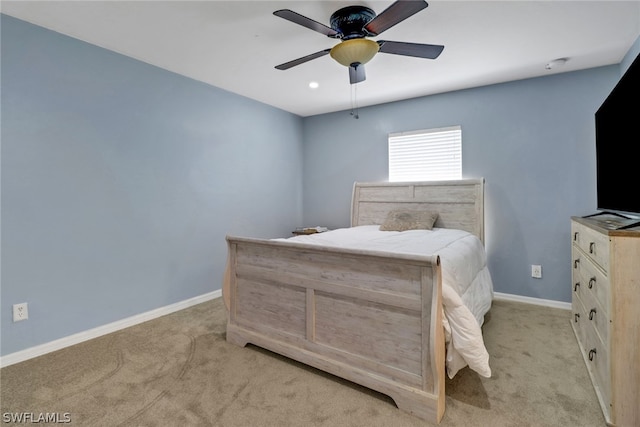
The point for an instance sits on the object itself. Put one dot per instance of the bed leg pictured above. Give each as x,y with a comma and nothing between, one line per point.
426,408
234,338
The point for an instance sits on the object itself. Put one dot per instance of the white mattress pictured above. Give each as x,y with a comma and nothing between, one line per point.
467,289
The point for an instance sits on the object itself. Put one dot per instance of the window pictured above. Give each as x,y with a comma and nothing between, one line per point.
426,155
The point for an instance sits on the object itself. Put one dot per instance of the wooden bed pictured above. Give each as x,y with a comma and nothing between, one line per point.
370,318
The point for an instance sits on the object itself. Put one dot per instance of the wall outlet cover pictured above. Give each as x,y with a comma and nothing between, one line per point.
20,312
536,271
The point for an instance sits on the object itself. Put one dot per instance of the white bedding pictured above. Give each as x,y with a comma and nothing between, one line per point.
467,289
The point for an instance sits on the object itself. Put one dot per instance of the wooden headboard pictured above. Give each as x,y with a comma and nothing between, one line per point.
460,204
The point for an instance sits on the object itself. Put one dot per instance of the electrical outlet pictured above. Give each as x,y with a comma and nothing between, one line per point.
20,312
536,271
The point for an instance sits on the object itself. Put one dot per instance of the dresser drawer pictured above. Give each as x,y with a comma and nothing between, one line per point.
594,351
596,355
592,243
579,319
599,321
590,280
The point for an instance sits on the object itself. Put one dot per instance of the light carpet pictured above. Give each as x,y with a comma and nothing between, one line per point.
178,370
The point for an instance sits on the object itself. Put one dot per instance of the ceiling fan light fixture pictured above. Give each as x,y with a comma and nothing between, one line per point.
354,51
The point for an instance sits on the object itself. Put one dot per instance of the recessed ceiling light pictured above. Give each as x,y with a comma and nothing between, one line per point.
314,85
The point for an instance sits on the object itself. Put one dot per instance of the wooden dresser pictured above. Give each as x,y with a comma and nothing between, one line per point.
606,312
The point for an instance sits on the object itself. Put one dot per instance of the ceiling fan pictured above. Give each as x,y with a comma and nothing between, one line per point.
352,25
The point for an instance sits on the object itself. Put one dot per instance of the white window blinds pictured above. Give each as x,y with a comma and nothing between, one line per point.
426,155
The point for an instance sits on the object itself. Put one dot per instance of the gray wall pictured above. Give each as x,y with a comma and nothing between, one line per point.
120,181
532,141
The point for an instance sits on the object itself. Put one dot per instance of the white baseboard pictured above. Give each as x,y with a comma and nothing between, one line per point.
39,350
530,300
61,343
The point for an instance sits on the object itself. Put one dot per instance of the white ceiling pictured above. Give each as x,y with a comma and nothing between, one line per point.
235,45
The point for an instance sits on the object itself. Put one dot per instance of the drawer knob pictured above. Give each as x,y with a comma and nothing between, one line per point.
592,282
576,286
592,353
575,236
576,262
592,313
576,317
592,246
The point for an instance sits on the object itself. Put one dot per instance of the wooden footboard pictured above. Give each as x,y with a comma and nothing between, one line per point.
370,318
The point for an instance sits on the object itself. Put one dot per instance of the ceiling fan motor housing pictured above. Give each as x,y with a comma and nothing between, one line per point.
350,21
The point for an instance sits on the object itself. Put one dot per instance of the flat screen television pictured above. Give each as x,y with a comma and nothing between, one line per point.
617,124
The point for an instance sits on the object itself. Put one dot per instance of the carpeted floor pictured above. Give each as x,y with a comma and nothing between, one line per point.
178,370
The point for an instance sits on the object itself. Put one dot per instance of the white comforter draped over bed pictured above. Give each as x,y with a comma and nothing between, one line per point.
467,289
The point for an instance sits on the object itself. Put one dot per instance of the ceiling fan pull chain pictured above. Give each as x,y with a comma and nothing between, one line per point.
354,101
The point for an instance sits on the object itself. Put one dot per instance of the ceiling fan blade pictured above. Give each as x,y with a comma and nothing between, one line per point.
296,18
302,60
356,74
397,12
429,51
